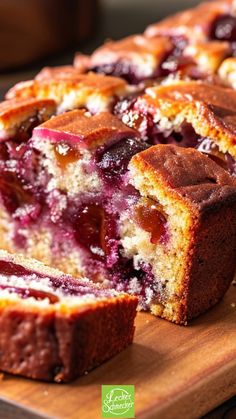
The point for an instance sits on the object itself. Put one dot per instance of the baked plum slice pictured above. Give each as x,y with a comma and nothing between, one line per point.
113,161
224,28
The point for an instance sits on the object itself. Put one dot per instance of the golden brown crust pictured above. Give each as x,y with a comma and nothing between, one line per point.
209,197
208,56
134,49
188,174
14,108
194,23
211,109
59,72
56,347
85,129
21,90
211,259
56,88
192,91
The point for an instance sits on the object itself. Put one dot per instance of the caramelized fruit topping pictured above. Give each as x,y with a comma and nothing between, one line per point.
65,154
224,28
113,161
148,215
175,61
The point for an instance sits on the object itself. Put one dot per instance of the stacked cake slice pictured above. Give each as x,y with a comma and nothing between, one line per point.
171,229
54,327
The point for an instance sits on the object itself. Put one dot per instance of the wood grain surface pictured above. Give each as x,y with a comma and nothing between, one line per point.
178,372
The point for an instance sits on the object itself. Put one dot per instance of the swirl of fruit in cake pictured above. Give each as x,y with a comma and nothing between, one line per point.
71,89
18,117
55,327
183,227
60,203
81,150
188,114
99,221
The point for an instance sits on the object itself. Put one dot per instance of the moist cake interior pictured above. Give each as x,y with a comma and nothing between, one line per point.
98,219
84,223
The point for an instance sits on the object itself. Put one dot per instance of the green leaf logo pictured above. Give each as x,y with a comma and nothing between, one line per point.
118,401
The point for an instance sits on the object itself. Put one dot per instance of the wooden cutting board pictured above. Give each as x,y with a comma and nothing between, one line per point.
178,372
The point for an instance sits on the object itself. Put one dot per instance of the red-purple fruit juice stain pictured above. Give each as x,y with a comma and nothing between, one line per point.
95,231
12,192
90,230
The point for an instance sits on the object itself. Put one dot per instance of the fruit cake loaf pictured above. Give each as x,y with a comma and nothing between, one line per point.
54,327
71,201
85,221
146,242
183,196
188,114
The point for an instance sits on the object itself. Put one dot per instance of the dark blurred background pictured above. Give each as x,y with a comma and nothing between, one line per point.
35,33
